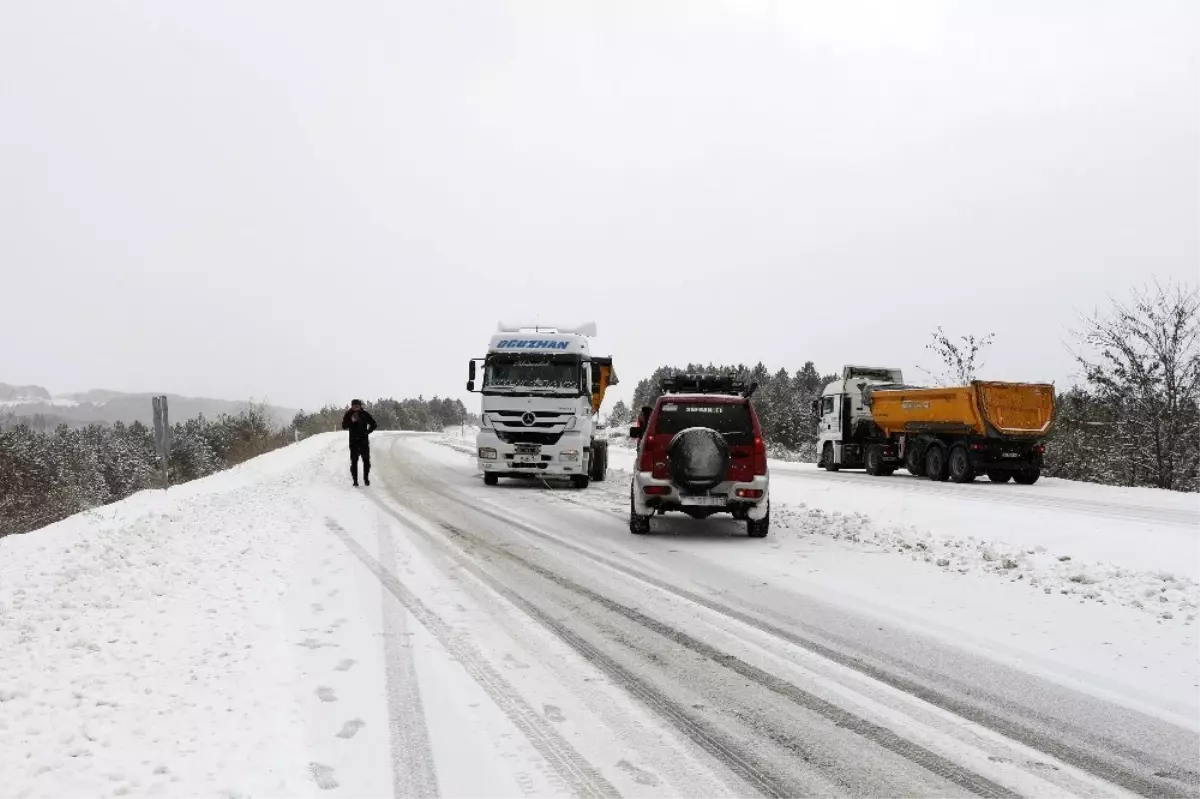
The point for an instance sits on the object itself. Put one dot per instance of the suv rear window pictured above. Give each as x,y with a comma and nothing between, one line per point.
730,418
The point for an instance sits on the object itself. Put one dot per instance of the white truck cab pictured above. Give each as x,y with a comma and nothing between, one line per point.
541,391
842,411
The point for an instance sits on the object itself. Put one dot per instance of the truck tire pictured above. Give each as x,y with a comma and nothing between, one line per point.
914,460
827,458
580,480
1027,477
758,528
936,468
599,461
638,524
997,476
874,460
490,480
961,470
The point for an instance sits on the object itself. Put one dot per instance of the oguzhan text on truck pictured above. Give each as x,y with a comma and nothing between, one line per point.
541,392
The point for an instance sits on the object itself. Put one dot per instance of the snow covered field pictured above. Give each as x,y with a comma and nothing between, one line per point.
271,631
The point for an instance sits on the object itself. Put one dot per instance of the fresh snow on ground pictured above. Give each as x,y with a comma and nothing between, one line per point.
227,638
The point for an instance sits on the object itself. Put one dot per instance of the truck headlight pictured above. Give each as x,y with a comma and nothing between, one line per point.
484,421
487,453
569,455
574,420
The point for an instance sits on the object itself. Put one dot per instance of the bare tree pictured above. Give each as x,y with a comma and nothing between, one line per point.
1142,360
961,362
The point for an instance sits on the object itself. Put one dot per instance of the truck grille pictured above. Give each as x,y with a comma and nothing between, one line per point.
527,436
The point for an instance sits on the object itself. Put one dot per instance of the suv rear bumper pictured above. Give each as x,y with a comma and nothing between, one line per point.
644,504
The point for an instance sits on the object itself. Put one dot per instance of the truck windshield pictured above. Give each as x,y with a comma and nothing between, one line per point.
533,373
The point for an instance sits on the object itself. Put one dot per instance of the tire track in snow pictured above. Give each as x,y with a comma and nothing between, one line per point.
580,777
414,772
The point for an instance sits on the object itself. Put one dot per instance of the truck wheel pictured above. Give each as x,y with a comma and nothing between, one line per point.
1028,477
638,524
997,476
827,458
961,470
490,480
758,528
599,461
913,462
935,464
874,460
580,480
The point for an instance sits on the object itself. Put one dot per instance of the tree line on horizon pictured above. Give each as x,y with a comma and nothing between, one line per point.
49,475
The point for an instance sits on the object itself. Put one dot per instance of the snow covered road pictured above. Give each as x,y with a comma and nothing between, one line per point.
272,631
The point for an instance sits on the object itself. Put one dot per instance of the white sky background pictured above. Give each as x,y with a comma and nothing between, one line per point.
306,202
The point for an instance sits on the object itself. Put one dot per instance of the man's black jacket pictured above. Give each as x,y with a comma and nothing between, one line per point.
359,428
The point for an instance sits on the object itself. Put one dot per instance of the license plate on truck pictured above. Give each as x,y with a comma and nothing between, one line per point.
702,500
521,457
1012,455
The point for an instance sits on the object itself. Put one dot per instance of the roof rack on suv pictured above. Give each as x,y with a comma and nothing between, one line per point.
706,384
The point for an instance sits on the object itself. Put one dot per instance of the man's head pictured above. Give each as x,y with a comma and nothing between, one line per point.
356,405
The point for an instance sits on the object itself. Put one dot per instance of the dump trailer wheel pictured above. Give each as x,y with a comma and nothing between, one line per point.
914,461
1027,477
961,470
936,467
997,476
827,458
490,480
874,460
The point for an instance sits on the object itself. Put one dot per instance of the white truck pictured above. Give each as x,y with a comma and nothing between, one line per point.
541,392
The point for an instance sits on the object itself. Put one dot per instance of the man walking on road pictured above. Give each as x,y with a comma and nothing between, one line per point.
360,424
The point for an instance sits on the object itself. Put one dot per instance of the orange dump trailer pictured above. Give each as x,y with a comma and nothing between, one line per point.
1024,410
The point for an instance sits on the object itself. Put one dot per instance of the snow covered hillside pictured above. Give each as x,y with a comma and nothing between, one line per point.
272,631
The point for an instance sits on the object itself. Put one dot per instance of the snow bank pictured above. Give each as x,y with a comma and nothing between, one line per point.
140,642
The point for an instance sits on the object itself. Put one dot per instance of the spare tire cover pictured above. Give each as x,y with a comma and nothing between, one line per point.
698,459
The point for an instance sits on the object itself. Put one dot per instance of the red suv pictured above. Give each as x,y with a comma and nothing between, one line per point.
700,452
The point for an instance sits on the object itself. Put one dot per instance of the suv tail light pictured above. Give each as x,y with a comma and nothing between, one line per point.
760,456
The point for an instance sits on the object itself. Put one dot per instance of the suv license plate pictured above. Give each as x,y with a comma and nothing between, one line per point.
1012,454
702,500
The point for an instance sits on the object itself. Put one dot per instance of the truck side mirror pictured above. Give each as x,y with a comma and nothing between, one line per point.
816,407
471,385
471,370
636,432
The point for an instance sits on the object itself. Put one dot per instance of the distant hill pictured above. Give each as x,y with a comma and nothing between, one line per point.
37,407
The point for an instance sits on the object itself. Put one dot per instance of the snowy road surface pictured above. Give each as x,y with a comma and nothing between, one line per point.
272,631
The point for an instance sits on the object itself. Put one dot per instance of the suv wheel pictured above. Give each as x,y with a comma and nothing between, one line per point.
758,528
998,476
638,524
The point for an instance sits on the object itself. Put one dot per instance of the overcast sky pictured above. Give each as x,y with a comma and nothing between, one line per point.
305,201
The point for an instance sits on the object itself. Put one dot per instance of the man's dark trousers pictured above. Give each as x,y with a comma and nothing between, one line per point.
360,449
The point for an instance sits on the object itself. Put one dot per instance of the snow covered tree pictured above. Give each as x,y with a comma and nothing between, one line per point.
960,362
620,414
1141,359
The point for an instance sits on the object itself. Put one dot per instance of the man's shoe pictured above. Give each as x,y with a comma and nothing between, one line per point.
366,480
355,484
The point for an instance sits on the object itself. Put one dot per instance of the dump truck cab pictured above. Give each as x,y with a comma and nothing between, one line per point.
844,415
